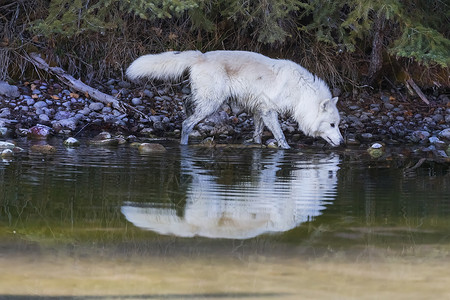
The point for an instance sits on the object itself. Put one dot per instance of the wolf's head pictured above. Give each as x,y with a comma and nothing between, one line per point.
327,122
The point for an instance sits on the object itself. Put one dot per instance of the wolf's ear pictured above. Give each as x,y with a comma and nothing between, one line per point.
324,104
335,100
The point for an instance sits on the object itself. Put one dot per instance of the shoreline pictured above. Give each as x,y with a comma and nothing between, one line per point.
384,117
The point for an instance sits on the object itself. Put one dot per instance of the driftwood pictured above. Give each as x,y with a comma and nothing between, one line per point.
417,90
80,86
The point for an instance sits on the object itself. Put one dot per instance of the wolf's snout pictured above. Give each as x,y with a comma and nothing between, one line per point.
335,141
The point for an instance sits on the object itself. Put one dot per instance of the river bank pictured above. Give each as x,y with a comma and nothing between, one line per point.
386,117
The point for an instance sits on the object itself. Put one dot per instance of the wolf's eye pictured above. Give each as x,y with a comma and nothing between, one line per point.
332,125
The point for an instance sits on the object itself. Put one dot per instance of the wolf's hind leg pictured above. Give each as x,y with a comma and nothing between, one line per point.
200,112
271,120
187,127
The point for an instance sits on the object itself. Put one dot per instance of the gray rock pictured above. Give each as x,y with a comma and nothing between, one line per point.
124,84
155,118
3,131
71,142
106,110
136,101
96,106
437,118
7,153
158,126
39,132
388,106
366,136
111,81
85,111
150,148
419,136
64,114
40,104
148,93
445,134
384,98
8,90
5,112
44,118
70,123
6,145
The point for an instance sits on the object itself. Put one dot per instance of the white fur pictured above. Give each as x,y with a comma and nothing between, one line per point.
260,84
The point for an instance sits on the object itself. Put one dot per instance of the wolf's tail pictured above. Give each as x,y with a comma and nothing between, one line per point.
164,66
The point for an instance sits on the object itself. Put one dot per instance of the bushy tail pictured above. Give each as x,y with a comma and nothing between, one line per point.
164,66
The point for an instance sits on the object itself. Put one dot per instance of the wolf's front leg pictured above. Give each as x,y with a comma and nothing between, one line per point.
270,118
259,127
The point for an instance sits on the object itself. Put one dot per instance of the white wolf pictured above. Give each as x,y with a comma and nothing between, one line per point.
253,81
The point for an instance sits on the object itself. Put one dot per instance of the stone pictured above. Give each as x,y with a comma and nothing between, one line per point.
104,139
44,118
64,114
149,148
124,84
148,131
40,132
136,101
3,131
388,106
105,142
96,106
366,136
445,134
148,93
376,150
8,90
43,149
419,136
6,145
7,153
71,142
5,112
40,104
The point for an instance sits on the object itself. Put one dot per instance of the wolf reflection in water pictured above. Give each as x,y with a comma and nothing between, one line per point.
265,202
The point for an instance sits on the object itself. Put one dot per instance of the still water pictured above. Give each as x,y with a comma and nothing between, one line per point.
227,223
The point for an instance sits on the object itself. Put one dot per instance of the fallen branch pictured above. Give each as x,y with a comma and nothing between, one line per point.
417,90
80,86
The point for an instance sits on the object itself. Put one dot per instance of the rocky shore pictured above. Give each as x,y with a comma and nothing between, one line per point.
384,117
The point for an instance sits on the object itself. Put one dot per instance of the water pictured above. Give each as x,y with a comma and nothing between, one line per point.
227,223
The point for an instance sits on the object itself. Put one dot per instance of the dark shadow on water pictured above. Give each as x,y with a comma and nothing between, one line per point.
153,296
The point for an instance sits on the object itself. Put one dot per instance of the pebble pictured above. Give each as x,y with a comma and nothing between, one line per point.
150,148
40,104
376,150
445,134
71,142
44,118
43,149
6,145
7,153
96,106
136,101
39,132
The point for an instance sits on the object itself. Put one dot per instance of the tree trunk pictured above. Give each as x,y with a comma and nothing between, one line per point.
376,57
